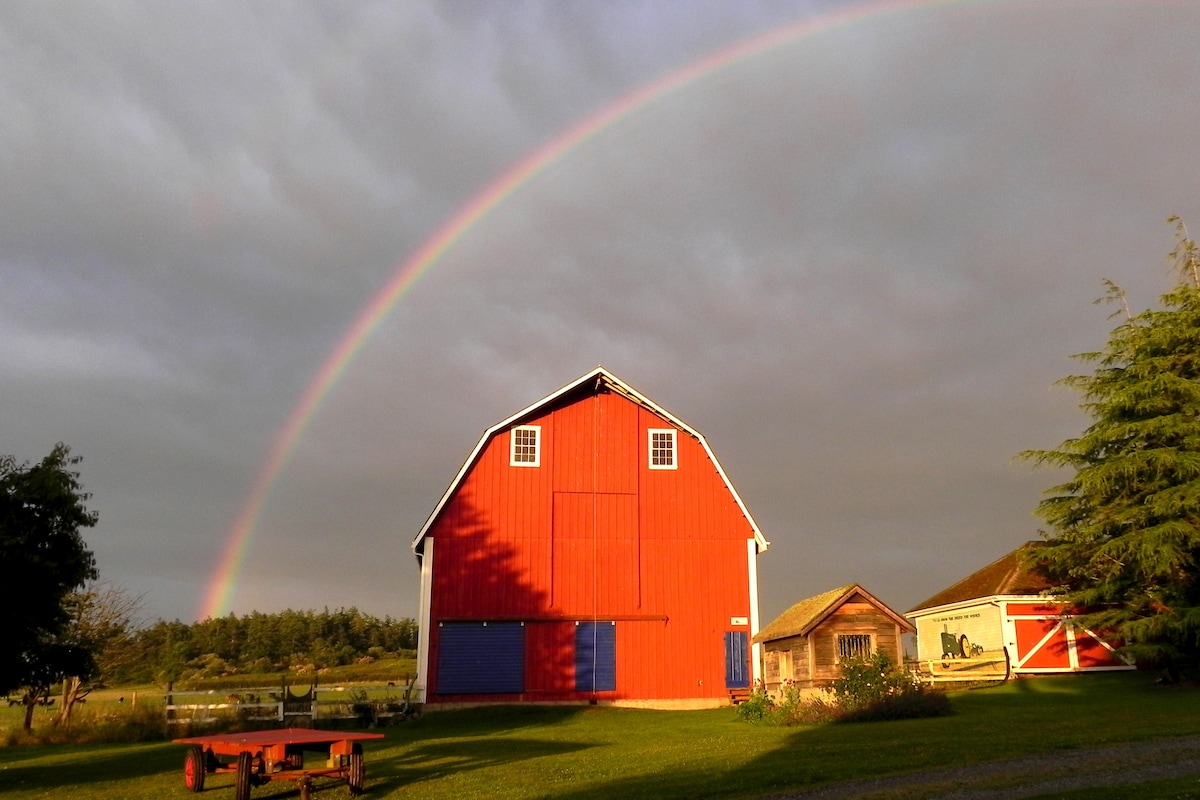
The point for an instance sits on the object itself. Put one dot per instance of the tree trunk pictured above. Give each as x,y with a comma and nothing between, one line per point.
72,693
31,701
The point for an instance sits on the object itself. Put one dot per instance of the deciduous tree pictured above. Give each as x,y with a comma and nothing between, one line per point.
102,620
43,557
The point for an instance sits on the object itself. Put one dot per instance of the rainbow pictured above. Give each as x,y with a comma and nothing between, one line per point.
219,593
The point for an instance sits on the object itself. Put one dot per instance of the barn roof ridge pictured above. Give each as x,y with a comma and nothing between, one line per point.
1007,575
600,375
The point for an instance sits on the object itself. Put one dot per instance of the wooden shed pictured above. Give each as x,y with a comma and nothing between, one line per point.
592,549
805,645
1000,615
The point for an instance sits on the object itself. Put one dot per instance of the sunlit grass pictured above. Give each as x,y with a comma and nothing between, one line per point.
593,752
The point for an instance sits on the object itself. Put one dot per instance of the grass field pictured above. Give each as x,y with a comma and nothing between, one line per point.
597,752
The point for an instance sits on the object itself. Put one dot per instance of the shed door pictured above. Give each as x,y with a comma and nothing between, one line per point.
481,658
737,660
595,657
1042,644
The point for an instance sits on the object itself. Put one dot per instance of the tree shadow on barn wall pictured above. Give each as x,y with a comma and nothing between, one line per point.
485,574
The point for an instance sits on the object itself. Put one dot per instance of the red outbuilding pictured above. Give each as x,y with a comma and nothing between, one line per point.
998,616
592,549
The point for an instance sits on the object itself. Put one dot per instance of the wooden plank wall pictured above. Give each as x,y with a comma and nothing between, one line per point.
856,616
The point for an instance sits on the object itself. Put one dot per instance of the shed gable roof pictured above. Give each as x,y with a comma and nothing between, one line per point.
803,617
1007,575
594,381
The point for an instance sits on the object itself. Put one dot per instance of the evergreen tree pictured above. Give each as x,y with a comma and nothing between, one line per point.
1125,529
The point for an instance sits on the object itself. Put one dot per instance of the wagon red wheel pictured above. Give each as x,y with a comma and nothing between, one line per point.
241,783
194,768
358,770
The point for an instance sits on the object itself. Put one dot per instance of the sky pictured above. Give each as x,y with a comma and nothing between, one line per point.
854,244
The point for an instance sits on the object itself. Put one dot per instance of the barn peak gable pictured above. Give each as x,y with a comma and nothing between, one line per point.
803,617
599,379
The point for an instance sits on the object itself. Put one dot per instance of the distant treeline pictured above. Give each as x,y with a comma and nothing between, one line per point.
261,643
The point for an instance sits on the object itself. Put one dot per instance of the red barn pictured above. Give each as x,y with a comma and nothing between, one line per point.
591,548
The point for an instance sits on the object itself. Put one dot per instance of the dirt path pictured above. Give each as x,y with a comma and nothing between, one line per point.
1027,777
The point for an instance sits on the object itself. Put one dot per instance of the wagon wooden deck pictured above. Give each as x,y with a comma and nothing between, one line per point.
258,757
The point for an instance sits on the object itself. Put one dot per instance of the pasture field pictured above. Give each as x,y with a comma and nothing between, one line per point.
581,752
100,703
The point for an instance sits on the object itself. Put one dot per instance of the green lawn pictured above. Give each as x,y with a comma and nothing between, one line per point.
597,752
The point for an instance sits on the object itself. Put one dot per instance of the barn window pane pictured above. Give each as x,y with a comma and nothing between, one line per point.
662,448
853,645
525,449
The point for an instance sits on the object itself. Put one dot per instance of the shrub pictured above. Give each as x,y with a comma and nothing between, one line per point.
866,681
757,707
794,709
867,690
873,689
916,704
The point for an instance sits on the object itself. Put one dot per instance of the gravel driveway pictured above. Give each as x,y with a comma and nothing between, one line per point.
1028,777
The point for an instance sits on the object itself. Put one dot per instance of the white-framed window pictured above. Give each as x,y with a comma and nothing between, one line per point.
854,645
662,448
526,446
785,666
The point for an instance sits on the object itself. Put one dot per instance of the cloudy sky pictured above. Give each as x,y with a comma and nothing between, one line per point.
856,258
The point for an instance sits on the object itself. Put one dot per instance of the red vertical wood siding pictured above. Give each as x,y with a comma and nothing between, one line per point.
593,533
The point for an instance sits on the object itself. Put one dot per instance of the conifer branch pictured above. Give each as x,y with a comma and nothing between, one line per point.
1185,257
1114,294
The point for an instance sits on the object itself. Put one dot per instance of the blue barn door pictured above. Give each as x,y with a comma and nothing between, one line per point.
737,660
481,658
595,657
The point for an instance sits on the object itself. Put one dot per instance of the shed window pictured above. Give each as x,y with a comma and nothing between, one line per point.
526,449
853,645
785,666
662,448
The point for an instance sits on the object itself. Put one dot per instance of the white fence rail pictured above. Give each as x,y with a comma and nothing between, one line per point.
370,704
987,667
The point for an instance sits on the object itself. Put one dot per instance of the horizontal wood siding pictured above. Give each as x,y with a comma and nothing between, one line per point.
852,618
797,647
814,658
593,533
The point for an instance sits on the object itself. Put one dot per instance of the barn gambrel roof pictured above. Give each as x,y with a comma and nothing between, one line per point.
598,379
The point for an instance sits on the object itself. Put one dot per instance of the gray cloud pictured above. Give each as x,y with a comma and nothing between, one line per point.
856,261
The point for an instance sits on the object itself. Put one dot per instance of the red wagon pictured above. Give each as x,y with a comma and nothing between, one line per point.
258,757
